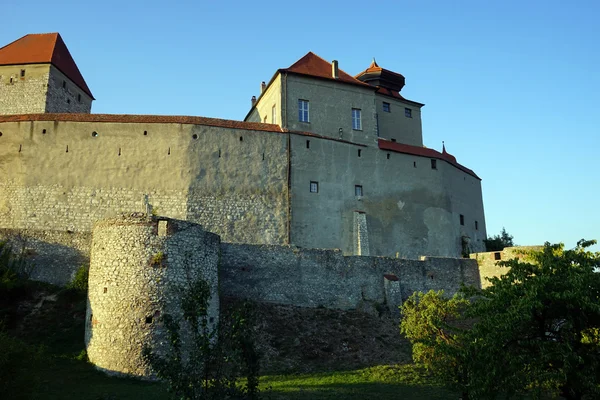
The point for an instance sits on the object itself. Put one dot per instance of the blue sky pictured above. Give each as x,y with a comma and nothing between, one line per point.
510,86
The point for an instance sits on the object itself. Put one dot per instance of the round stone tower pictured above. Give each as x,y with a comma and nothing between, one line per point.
139,267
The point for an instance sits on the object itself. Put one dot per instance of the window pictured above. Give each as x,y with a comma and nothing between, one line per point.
433,164
274,114
408,112
64,84
314,187
22,73
462,219
358,190
497,256
308,144
79,98
386,107
476,226
393,140
356,120
303,111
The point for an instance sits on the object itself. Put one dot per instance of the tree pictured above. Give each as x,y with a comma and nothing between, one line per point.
432,323
535,330
499,242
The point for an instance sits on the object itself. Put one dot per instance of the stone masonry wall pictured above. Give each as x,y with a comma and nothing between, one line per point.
54,256
23,95
326,278
488,261
139,269
64,96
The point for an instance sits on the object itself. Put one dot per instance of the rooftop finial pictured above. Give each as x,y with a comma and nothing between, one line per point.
374,63
443,147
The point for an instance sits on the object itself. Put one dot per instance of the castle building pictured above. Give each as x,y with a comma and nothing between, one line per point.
323,159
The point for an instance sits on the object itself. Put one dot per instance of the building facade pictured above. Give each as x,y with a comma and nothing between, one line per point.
322,160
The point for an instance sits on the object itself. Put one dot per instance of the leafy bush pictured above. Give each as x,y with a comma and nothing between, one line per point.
80,280
16,358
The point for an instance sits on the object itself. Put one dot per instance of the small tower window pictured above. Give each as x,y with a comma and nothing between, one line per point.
79,98
476,226
408,113
359,152
358,192
308,144
64,85
386,107
433,164
22,73
462,219
314,187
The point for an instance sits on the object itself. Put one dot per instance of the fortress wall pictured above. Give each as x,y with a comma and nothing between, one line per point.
409,209
25,95
326,278
54,256
62,176
395,124
488,261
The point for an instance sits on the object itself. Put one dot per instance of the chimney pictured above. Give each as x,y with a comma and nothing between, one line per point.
253,100
263,86
334,69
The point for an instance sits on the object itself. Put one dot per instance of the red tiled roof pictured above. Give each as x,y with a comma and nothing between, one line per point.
145,119
313,65
423,152
395,94
43,48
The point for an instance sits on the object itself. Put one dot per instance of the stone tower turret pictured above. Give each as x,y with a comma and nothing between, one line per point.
139,268
38,75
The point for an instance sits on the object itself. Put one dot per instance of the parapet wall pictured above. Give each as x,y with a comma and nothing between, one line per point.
140,268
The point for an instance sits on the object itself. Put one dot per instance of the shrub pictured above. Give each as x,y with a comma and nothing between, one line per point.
80,280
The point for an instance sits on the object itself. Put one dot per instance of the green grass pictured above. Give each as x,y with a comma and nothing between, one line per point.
381,383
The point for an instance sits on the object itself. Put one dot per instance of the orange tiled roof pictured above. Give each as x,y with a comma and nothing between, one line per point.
313,65
374,67
146,119
423,152
43,48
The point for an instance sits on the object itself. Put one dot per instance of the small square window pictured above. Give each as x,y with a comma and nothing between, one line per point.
22,73
408,112
386,107
358,190
356,119
433,164
303,111
476,226
497,256
314,187
462,219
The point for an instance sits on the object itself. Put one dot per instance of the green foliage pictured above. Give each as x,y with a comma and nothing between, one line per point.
499,242
534,331
209,367
433,324
157,259
80,280
13,268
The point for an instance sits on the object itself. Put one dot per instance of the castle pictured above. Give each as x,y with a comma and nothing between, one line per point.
322,160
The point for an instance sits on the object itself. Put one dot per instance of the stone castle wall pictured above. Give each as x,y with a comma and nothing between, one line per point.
61,176
139,269
64,96
327,278
23,95
488,261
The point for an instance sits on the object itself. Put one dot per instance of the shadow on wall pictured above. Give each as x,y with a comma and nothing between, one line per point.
55,255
